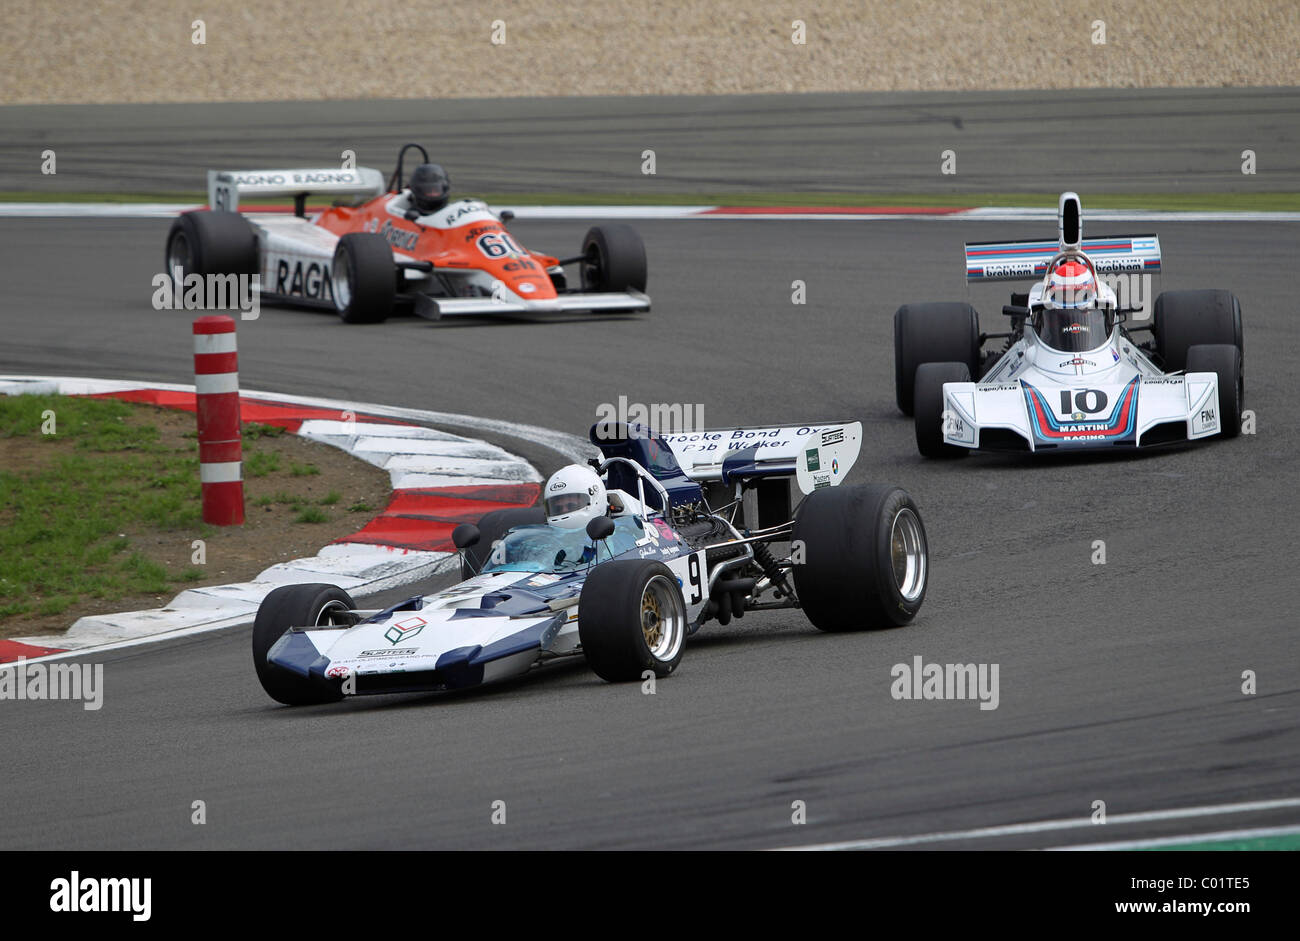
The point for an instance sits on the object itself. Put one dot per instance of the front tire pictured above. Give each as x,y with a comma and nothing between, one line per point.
632,618
296,606
211,243
930,417
932,333
364,278
1184,319
865,558
613,259
1225,360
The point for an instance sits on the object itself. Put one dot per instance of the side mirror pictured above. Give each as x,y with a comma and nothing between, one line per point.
602,527
506,215
410,215
465,535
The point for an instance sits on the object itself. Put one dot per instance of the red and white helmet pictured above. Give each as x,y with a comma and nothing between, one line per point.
1071,286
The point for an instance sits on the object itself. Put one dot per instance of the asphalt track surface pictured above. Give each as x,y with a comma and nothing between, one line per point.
1101,140
1118,682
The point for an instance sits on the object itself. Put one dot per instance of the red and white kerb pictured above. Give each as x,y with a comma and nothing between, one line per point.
216,386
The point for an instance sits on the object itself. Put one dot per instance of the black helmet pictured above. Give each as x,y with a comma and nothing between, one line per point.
429,187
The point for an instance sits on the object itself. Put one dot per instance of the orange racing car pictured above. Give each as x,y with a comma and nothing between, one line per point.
398,244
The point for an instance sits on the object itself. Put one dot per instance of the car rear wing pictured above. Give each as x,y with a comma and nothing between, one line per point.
815,455
1017,261
225,187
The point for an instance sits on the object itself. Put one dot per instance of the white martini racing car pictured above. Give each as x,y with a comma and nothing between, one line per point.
625,560
1070,375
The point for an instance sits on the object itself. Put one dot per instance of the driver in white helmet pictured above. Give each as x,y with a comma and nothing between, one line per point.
574,496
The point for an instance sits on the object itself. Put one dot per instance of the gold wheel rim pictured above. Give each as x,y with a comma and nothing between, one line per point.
652,625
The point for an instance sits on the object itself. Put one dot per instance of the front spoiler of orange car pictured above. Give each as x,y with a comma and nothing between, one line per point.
435,308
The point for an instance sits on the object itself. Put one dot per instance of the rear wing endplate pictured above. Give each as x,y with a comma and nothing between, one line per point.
815,455
1016,261
225,187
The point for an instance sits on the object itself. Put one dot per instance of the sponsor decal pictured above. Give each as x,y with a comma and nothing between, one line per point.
1009,269
835,465
405,629
832,436
398,652
814,459
337,672
1114,354
1119,424
1112,265
310,280
558,485
1163,381
399,238
462,209
1078,361
1075,328
527,287
538,580
821,480
664,529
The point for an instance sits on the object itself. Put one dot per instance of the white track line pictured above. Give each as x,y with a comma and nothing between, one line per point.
979,214
1044,826
1220,836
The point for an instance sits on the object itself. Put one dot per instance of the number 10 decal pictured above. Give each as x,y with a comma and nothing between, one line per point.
1088,401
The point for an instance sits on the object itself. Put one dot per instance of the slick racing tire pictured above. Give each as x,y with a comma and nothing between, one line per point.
211,243
865,561
1225,360
365,278
492,527
632,618
296,606
1184,319
613,259
932,333
929,419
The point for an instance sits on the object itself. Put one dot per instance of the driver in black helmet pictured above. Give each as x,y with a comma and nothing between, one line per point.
430,187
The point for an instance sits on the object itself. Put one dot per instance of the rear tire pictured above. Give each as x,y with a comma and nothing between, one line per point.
296,606
614,259
632,618
1225,360
866,560
929,419
208,243
492,527
1184,319
932,333
364,277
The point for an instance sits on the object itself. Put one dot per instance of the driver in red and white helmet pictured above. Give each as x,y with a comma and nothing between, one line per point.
1072,320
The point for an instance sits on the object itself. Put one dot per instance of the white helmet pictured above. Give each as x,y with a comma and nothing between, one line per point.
574,496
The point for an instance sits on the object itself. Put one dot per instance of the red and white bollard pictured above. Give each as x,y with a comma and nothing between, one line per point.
216,386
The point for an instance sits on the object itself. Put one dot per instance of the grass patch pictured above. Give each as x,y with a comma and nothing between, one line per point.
331,498
304,470
254,430
261,463
360,508
63,509
311,514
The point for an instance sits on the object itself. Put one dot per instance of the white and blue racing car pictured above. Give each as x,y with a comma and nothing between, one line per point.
624,560
1070,375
